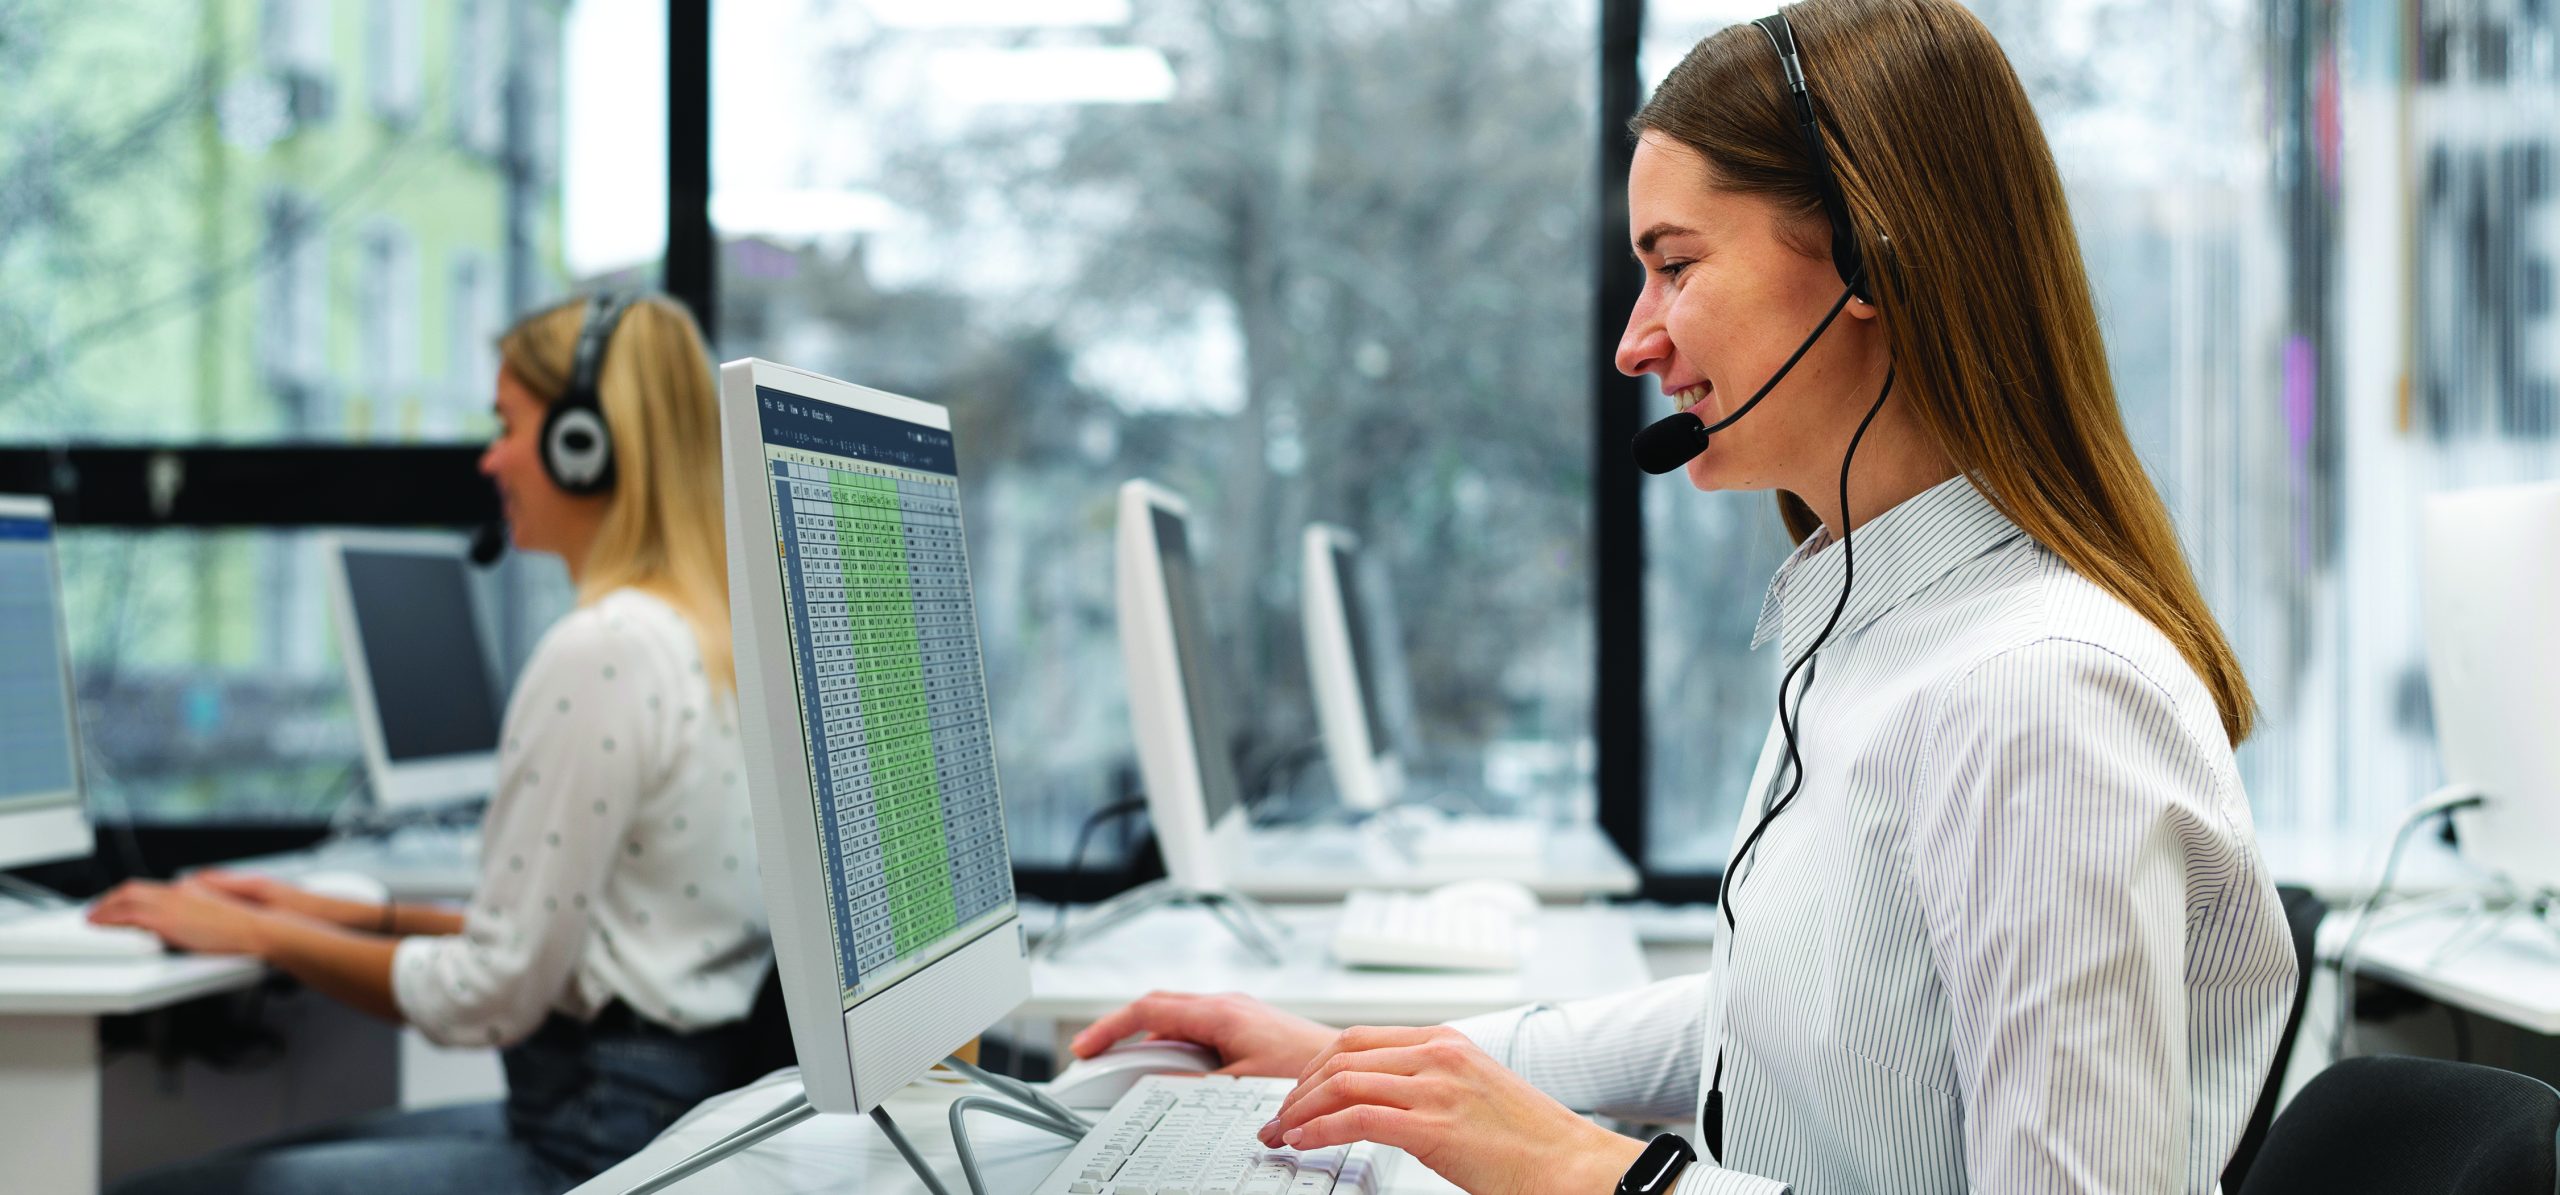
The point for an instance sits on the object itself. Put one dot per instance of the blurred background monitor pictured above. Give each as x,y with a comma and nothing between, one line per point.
1177,710
2492,568
1355,665
41,819
418,677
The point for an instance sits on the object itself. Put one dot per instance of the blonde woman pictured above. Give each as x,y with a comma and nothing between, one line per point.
1997,920
617,937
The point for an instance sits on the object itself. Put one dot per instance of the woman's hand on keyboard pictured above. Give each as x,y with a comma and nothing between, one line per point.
268,892
188,918
1251,1037
1433,1094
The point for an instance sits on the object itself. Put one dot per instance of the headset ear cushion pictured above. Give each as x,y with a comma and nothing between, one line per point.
576,451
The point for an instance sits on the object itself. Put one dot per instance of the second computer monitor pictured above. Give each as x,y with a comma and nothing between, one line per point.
41,819
2492,564
426,701
1355,665
862,707
1177,710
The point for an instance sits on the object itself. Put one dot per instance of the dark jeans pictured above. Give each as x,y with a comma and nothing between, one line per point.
579,1099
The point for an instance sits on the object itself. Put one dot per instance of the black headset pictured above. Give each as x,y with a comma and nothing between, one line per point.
577,447
1845,255
1846,258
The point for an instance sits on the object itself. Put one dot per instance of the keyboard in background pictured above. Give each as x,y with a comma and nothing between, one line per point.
1419,930
1194,1135
65,933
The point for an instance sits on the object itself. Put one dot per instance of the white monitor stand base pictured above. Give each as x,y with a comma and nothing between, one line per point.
1027,1105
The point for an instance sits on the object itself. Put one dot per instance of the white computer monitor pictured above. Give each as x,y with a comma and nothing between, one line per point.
863,708
426,700
41,819
2492,592
1355,665
1177,712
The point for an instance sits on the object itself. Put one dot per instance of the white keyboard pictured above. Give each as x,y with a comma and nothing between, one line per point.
65,933
1412,929
1481,841
1194,1135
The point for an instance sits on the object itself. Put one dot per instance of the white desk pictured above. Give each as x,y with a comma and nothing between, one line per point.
1579,951
50,1066
847,1154
1325,862
2513,976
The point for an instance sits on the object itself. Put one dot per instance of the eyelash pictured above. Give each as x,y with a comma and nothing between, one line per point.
1671,269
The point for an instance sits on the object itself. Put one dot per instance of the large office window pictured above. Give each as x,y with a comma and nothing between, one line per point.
2321,243
229,223
1307,260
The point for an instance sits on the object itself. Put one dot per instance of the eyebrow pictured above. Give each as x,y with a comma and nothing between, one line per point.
1653,235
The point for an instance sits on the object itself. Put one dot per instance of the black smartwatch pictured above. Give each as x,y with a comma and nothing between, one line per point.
1659,1167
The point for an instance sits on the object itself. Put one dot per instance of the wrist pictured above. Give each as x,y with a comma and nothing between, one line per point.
1606,1159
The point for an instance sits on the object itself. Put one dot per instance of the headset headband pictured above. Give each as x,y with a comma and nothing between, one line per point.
1845,254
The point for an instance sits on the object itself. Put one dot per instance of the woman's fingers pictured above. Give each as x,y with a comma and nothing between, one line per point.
1397,1128
1177,1015
1364,1037
1392,1060
1342,1092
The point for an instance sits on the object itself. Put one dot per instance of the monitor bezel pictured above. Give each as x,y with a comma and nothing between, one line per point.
53,826
2493,670
1367,775
850,1058
1197,854
427,780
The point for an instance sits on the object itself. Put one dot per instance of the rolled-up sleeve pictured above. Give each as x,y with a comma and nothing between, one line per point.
2075,850
570,776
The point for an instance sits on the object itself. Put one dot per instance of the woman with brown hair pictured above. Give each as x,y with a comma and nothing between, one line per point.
1996,916
617,938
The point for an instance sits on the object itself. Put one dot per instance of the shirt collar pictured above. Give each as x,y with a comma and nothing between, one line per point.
1899,552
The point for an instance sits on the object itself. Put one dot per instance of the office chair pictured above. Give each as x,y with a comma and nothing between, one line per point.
2413,1126
764,1039
2303,913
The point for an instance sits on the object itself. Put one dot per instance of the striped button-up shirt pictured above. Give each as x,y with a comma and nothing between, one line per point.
2014,934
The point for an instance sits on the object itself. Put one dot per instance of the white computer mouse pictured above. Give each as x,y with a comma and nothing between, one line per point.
1513,898
1100,1081
343,885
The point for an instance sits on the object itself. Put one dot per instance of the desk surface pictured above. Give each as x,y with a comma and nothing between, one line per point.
1578,951
109,987
847,1154
2512,975
1324,862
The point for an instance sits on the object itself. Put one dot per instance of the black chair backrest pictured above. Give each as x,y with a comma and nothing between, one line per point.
765,1037
2302,913
2413,1126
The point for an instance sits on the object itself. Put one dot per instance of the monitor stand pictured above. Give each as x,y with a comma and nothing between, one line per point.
1022,1102
1248,919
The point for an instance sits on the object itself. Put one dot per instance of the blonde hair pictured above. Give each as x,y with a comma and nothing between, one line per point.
1988,308
662,530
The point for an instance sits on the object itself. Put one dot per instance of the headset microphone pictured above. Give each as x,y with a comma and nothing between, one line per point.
1670,442
489,542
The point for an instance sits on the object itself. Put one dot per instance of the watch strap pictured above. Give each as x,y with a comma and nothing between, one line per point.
1658,1168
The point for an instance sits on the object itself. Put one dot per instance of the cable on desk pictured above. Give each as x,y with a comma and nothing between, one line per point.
2440,802
1075,858
960,1109
1022,1093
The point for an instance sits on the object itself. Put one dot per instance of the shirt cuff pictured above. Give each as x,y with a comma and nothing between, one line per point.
1494,1032
413,986
1704,1179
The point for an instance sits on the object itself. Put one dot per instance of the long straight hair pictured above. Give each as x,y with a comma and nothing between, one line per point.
662,531
1986,302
